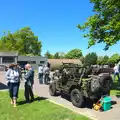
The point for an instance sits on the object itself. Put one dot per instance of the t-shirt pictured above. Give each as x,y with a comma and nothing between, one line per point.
116,70
40,69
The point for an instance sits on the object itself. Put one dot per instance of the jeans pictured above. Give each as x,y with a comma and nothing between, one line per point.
116,74
40,76
28,92
13,90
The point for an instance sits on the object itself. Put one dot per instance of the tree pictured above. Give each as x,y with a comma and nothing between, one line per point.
104,25
114,59
105,60
23,41
62,55
102,60
82,59
56,55
74,54
48,55
90,59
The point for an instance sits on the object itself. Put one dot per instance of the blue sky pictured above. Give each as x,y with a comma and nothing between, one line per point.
54,21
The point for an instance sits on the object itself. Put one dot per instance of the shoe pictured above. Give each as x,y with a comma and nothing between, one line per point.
27,101
32,100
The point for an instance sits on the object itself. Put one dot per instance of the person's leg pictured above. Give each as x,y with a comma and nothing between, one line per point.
40,79
114,76
31,93
11,92
26,92
15,93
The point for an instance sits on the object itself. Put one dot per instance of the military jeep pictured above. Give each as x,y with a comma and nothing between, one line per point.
74,80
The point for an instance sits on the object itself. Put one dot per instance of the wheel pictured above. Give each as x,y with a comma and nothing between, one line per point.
76,98
52,89
95,85
106,83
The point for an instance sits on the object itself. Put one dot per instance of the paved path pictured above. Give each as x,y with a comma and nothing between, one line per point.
42,91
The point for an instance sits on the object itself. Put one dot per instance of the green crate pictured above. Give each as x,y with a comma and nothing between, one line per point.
106,103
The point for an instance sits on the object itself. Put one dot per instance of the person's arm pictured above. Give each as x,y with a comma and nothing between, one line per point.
27,76
7,75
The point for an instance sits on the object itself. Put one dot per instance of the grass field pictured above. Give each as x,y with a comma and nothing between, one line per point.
115,88
40,109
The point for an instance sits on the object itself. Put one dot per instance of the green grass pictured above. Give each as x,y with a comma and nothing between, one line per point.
40,109
115,88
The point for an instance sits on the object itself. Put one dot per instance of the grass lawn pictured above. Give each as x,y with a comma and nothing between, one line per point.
40,109
115,88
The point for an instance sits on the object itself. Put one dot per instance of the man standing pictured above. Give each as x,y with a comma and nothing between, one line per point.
29,81
40,74
116,72
46,72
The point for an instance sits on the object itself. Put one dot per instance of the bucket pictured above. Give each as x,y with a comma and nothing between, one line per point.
106,103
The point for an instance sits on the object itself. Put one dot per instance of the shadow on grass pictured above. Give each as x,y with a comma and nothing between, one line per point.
3,86
36,99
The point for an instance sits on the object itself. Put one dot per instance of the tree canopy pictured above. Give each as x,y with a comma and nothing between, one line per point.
115,58
56,55
23,41
102,60
49,55
74,54
90,59
104,25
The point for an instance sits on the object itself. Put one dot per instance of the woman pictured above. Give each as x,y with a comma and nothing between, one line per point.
13,80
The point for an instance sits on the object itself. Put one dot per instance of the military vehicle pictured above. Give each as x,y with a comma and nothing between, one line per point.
80,83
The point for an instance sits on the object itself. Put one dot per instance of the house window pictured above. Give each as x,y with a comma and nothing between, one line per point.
8,59
32,62
42,62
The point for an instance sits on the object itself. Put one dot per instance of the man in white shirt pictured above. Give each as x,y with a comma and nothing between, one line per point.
40,74
116,72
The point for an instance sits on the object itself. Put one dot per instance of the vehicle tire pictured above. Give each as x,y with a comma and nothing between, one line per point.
95,85
106,83
52,89
77,98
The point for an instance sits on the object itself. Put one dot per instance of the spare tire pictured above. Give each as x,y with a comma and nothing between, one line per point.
95,85
105,82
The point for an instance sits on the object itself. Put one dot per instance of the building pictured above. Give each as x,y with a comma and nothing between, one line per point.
7,58
34,61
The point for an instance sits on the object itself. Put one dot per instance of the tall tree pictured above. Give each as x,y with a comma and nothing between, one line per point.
56,55
104,25
48,55
24,41
74,54
90,59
